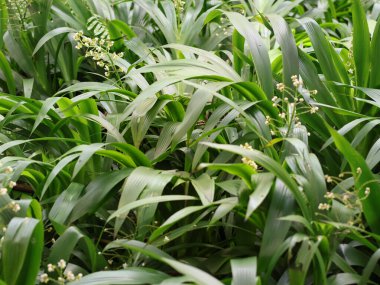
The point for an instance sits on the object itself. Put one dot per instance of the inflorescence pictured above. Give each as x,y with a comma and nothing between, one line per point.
100,51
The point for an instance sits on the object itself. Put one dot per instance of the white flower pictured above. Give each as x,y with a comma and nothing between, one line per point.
313,92
50,267
367,191
8,170
14,206
249,162
346,197
328,179
12,184
246,146
44,278
296,81
314,110
61,264
3,191
70,276
324,206
280,87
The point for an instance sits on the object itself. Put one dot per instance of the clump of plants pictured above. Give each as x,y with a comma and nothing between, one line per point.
189,142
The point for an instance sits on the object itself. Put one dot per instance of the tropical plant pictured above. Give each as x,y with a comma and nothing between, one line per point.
189,142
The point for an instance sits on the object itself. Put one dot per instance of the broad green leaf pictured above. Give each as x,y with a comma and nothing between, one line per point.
258,50
7,71
244,271
344,279
22,251
288,46
198,276
363,178
63,206
96,192
241,170
360,43
298,271
205,187
147,201
281,204
272,166
177,216
370,267
263,183
375,60
56,170
51,34
3,20
45,108
72,239
130,276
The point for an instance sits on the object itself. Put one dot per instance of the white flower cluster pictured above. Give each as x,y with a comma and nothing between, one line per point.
179,5
247,160
15,207
64,275
290,105
18,8
99,50
350,198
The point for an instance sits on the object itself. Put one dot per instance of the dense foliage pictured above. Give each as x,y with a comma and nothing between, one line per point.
189,142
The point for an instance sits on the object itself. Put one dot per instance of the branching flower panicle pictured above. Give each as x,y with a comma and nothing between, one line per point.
100,51
247,160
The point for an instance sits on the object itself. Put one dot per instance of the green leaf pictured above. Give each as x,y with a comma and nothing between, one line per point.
258,50
196,275
135,276
361,43
263,183
64,247
205,187
179,215
241,170
344,279
45,108
56,170
375,59
150,200
123,27
7,71
96,192
22,251
272,166
51,34
3,21
363,179
63,206
288,46
244,271
372,263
